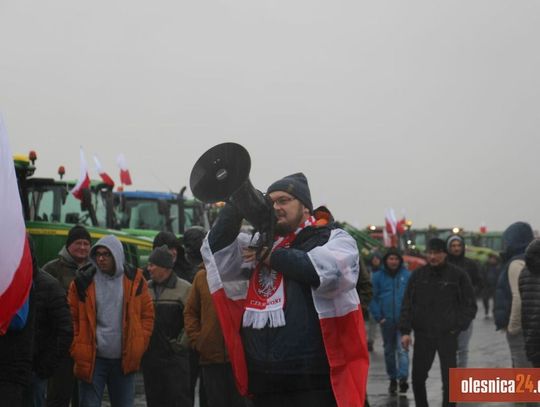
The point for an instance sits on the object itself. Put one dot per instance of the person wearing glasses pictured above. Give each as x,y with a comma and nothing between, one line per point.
113,318
302,335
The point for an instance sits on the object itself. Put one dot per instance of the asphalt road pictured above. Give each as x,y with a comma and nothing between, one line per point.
488,348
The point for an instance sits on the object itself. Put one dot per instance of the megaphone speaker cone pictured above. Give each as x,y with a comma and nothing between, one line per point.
219,172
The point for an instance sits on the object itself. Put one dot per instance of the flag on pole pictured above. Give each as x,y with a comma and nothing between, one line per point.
15,257
390,221
84,179
125,176
104,176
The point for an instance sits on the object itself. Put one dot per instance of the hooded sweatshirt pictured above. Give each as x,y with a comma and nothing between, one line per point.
109,299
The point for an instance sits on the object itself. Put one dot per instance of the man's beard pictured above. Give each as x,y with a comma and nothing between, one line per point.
283,229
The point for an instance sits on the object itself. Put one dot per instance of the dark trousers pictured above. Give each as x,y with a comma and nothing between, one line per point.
220,387
425,348
62,386
194,374
311,398
167,381
11,394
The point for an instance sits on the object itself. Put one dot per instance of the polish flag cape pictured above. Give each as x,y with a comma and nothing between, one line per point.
84,178
336,302
15,258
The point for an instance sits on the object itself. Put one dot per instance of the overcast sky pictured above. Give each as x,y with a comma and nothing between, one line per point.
432,107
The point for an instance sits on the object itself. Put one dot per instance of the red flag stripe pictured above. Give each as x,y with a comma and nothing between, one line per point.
346,347
229,313
125,177
85,184
106,179
17,292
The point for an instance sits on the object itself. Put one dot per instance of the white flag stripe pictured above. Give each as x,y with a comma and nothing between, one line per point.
99,168
83,170
122,162
12,228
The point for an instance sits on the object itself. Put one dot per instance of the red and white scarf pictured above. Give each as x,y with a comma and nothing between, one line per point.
266,292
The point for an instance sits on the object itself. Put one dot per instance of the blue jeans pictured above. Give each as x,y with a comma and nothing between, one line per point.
108,372
394,350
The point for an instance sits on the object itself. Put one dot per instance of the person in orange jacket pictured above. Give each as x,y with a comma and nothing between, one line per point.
113,319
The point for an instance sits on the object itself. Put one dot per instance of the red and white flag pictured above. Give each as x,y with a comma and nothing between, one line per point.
125,176
15,257
336,302
390,221
104,176
84,178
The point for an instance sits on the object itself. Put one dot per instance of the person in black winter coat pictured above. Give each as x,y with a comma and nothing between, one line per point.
438,304
16,350
53,332
455,245
529,290
16,360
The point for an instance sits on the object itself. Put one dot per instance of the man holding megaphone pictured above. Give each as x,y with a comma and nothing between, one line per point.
291,316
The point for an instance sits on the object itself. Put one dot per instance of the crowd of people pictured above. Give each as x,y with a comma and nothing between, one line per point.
291,324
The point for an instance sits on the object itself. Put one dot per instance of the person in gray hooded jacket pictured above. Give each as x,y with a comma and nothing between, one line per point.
113,318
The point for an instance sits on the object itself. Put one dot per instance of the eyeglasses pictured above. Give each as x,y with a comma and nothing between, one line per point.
105,255
284,200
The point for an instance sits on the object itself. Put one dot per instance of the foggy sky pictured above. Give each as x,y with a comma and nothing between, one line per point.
431,107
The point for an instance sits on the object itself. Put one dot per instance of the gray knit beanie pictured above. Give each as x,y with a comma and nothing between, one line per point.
297,186
161,257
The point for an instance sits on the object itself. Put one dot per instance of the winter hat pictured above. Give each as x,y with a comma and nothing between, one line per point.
532,256
393,251
436,245
77,232
452,238
161,257
193,239
165,238
297,186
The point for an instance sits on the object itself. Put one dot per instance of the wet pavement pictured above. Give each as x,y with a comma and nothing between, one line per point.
488,348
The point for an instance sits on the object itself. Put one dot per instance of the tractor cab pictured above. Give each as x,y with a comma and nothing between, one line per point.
146,213
50,211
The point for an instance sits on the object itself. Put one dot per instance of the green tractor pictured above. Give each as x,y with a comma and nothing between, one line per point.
480,254
145,213
367,244
50,211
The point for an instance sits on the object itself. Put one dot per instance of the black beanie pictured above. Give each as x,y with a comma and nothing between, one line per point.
161,257
166,238
193,238
77,232
297,186
436,244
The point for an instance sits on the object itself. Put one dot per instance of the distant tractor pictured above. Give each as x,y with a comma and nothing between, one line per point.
50,210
